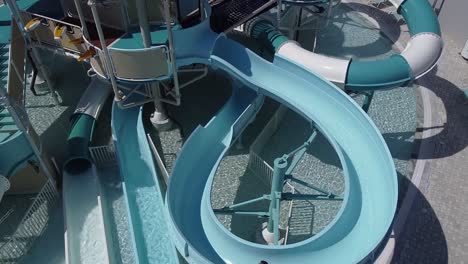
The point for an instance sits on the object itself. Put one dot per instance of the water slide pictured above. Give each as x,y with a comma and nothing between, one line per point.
143,198
85,236
371,182
292,79
421,54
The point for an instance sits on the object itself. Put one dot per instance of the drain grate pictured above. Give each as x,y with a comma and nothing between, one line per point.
103,156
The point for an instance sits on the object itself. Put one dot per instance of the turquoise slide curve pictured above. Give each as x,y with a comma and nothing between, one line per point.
371,182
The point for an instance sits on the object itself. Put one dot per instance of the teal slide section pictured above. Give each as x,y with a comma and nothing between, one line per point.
78,143
374,74
371,182
198,158
379,74
394,71
420,17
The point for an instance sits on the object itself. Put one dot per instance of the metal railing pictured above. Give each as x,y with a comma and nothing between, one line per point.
260,167
109,65
31,226
21,121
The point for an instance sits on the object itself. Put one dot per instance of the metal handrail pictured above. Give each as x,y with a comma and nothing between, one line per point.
168,61
167,17
107,59
109,64
139,49
79,10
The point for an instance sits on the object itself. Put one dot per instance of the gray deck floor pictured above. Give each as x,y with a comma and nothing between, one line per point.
434,228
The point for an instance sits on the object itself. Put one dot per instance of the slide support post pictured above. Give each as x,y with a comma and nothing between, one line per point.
368,96
279,173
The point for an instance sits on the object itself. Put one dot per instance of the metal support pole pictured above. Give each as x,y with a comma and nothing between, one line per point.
167,16
107,59
279,170
368,96
79,10
308,185
278,14
143,21
159,118
240,212
308,197
329,12
300,152
251,201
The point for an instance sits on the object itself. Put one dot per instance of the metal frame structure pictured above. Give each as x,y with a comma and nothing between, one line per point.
282,172
31,226
15,11
23,124
151,90
144,27
35,219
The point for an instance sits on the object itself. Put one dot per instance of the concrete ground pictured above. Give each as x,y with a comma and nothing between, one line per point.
432,224
437,224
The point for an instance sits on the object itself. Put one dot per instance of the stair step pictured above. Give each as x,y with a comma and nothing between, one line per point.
7,123
9,131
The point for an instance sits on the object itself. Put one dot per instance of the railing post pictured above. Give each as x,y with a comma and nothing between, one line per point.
143,21
159,117
167,17
278,14
107,59
79,10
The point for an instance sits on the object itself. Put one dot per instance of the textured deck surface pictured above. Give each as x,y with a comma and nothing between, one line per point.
434,229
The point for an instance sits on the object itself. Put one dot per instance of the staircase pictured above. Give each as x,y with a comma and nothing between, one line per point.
4,55
7,125
14,146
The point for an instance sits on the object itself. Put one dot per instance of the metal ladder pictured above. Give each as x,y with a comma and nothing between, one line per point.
6,121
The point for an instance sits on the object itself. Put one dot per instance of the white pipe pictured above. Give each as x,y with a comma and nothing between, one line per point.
333,69
422,52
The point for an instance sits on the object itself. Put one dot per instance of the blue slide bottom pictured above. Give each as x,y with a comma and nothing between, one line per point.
143,198
371,183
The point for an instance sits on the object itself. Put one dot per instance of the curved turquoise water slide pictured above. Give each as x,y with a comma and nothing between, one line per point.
371,182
